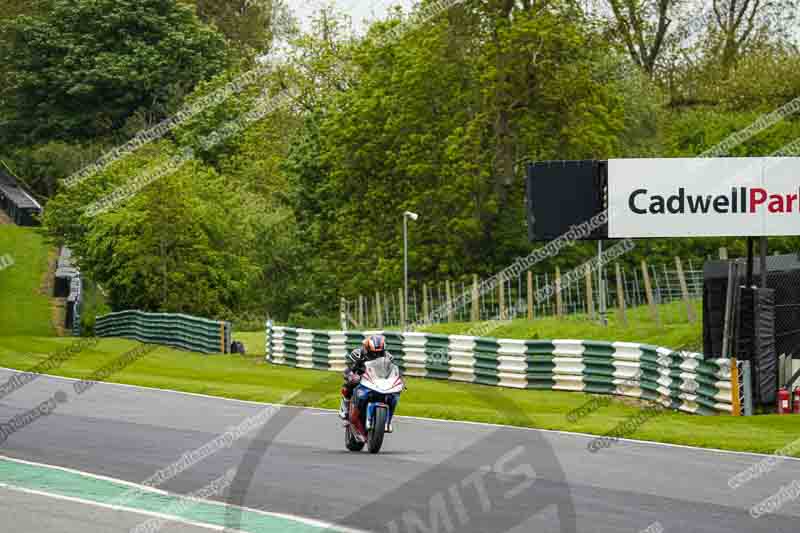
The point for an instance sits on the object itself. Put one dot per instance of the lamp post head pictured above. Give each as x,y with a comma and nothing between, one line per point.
412,216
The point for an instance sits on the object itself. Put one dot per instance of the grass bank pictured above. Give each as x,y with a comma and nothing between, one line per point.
24,307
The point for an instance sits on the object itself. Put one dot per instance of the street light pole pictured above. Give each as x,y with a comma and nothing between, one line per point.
406,216
405,272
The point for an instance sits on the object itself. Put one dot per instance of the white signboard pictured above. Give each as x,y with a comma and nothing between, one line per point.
711,197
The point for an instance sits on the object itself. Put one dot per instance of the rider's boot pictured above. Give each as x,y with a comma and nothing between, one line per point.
392,407
344,409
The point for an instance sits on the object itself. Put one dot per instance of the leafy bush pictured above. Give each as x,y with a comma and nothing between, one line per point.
94,305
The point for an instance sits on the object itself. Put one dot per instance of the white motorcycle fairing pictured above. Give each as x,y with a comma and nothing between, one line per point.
382,376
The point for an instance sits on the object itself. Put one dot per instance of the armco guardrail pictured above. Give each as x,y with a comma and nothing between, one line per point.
181,331
678,380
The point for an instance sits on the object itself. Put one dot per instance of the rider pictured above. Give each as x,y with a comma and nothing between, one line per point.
373,347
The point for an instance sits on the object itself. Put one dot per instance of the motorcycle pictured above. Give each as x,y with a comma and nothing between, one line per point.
372,406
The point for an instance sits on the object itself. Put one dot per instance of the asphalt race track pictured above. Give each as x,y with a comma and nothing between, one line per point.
27,512
431,475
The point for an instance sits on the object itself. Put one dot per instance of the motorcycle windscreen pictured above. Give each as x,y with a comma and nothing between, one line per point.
381,368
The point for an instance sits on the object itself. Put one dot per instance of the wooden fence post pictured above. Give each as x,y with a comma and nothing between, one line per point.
648,289
378,310
690,314
589,293
621,297
425,309
402,309
669,285
475,315
530,295
559,308
502,298
449,295
723,253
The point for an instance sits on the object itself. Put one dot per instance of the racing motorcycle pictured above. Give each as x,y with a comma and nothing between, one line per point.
372,406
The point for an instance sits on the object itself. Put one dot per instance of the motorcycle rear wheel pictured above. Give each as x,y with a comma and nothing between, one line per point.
351,442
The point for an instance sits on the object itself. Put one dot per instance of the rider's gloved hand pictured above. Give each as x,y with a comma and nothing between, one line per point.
354,378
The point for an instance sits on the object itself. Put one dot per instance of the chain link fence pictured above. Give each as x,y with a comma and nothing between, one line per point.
783,275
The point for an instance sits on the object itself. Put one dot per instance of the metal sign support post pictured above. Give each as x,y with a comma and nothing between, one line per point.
601,283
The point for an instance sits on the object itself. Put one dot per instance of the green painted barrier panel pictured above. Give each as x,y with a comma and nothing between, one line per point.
436,358
177,330
486,363
539,364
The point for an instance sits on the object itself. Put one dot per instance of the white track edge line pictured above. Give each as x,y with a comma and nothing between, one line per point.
146,488
437,420
144,512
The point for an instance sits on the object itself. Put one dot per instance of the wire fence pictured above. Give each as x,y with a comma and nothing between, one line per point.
783,275
510,299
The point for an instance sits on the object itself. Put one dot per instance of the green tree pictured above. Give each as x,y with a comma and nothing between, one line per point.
178,246
13,8
83,67
643,27
437,123
250,26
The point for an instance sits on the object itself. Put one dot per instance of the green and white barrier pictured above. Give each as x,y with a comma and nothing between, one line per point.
181,331
678,380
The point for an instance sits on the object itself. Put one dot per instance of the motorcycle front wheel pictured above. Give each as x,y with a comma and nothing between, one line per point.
375,434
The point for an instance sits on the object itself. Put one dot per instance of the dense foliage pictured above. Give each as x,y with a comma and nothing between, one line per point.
305,206
83,69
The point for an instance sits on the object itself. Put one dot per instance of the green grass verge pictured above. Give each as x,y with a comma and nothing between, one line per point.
23,309
250,378
25,339
676,331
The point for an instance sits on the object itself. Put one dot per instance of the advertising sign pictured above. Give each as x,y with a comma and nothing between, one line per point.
711,197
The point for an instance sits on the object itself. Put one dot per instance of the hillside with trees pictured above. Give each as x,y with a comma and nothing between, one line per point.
304,205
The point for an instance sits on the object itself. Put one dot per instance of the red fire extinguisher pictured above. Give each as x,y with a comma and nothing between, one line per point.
796,401
784,407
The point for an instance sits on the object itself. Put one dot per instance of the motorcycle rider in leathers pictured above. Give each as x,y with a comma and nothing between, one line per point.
373,347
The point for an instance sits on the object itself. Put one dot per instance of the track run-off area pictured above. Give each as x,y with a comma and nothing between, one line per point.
83,467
